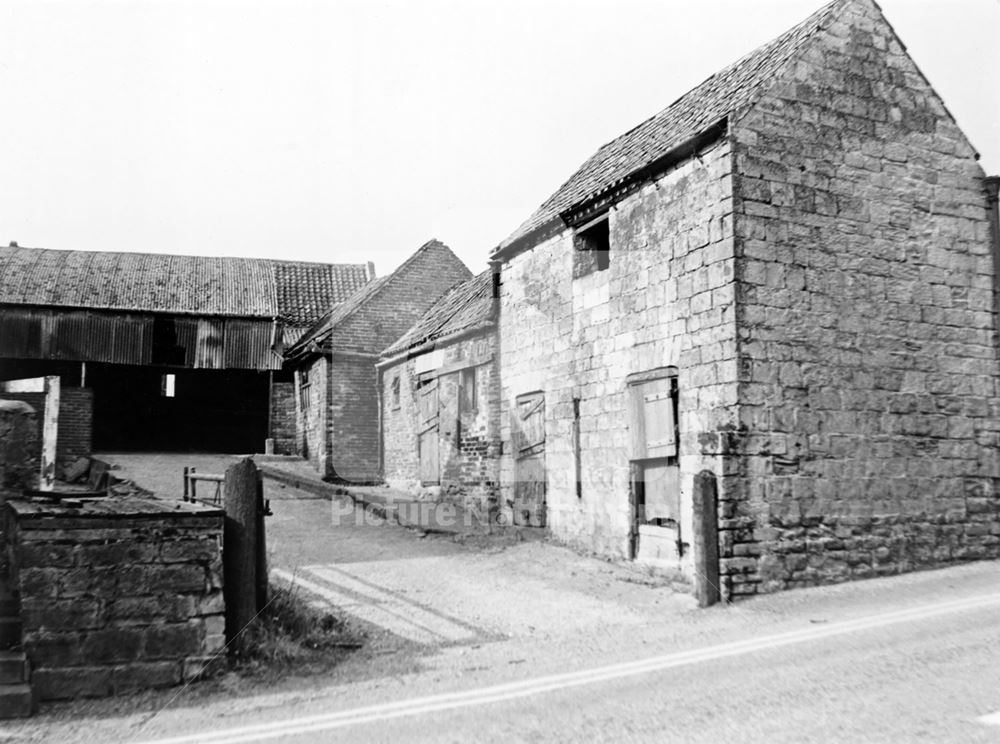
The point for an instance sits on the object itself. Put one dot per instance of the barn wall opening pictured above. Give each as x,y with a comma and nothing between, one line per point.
178,410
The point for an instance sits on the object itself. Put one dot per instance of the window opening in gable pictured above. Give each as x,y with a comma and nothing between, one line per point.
592,248
395,391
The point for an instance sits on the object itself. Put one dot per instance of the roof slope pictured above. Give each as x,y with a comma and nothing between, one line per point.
307,290
381,311
192,285
727,91
468,306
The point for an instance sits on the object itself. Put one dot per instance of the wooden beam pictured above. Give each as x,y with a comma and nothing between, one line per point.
50,434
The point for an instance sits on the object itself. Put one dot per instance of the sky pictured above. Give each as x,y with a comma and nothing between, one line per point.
356,131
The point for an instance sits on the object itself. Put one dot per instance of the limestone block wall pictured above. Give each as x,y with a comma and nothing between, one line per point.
76,417
117,596
469,471
868,366
20,447
667,299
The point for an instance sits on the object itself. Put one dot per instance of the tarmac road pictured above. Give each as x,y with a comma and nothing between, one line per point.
560,647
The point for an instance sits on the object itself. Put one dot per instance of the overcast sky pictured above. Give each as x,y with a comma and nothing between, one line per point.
351,132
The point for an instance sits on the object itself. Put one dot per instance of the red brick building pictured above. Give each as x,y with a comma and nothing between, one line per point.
336,388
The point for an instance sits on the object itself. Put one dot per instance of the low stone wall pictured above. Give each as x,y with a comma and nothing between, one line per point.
117,595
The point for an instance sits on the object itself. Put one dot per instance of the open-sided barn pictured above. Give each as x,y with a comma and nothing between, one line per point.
180,352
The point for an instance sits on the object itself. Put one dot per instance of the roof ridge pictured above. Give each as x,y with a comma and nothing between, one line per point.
692,113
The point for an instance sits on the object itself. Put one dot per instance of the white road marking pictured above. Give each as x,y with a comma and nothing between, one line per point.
396,615
993,719
530,687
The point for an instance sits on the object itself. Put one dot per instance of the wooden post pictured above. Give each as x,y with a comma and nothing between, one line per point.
50,434
706,539
240,551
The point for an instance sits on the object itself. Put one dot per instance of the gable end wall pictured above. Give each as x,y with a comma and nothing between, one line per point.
867,358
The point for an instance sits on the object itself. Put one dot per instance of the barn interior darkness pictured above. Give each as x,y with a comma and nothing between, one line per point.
175,409
139,408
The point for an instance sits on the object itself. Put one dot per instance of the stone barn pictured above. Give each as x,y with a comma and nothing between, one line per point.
440,394
336,390
164,352
785,279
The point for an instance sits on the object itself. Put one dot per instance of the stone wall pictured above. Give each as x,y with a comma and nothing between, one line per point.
666,300
868,363
469,469
283,430
20,447
76,417
117,596
352,419
311,383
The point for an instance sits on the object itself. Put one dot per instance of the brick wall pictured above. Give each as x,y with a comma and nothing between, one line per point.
866,334
76,412
666,299
408,293
469,470
283,429
352,421
113,603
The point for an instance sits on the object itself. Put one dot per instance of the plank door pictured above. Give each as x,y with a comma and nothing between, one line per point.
529,454
427,434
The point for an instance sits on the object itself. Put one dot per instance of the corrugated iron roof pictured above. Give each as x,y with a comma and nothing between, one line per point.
467,306
729,90
196,285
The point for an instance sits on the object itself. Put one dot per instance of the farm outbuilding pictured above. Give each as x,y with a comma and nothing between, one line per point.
180,352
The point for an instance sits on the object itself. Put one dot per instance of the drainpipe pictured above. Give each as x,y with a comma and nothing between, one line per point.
381,424
992,187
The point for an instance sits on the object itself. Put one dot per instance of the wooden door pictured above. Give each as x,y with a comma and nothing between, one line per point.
427,434
529,454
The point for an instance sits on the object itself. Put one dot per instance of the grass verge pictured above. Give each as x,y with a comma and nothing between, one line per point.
292,636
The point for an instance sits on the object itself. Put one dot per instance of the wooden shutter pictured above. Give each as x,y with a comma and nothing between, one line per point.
529,451
529,434
653,420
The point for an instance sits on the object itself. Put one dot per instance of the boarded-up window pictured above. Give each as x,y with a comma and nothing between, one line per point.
395,392
653,430
652,419
304,389
468,401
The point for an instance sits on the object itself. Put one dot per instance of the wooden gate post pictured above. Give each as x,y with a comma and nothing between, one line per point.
706,539
239,550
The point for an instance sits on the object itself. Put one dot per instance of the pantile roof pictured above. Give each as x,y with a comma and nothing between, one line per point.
468,306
